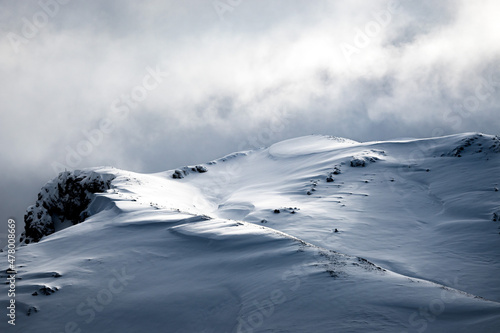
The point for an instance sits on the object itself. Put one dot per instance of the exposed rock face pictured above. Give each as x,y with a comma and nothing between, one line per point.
181,173
62,200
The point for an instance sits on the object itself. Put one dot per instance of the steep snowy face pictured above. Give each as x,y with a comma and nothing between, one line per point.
63,202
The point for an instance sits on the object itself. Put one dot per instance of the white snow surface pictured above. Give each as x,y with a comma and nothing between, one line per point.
416,250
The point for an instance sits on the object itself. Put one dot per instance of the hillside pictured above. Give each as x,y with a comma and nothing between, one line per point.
312,234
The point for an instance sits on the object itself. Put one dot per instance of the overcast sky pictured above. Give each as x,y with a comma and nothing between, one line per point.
152,85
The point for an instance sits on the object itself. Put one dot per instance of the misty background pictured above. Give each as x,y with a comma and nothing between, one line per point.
154,85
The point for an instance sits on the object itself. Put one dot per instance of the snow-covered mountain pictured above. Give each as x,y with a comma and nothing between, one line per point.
313,234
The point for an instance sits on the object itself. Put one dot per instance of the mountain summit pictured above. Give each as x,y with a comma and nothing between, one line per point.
312,234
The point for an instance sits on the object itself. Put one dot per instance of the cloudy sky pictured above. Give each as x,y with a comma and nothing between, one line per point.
152,85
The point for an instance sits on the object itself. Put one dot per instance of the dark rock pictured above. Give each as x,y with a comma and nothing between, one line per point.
31,309
65,198
178,174
358,162
332,273
47,290
201,169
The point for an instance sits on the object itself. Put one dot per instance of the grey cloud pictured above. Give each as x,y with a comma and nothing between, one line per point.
260,72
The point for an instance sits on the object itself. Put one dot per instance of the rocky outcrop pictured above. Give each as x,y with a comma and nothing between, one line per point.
181,173
476,143
63,201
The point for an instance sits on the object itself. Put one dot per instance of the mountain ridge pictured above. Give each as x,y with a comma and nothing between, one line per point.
380,219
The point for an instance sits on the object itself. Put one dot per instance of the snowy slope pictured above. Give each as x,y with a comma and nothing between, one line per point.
204,249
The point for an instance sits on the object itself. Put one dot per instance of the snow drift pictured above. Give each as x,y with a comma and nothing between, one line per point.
313,234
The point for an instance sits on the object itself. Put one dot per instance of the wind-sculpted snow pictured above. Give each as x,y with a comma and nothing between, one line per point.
291,238
308,145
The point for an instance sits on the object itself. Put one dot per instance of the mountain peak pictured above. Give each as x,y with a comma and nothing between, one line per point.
314,233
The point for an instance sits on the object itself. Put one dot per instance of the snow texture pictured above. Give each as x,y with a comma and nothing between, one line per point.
263,241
